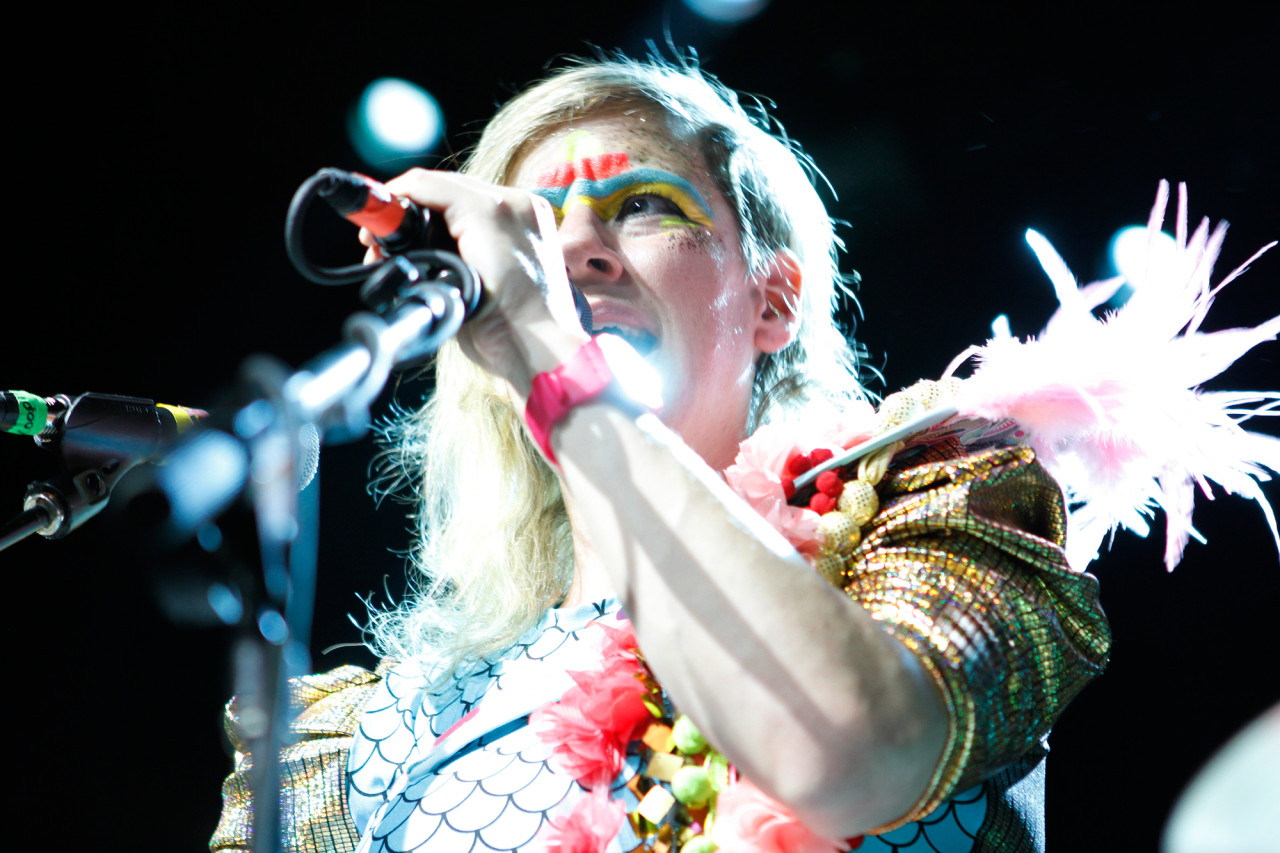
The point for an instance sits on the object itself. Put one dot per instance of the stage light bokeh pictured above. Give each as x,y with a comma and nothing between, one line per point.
394,124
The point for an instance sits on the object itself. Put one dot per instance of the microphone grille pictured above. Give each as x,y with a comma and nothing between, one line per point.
309,457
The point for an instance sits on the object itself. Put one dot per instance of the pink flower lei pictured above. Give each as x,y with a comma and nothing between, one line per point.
769,461
690,797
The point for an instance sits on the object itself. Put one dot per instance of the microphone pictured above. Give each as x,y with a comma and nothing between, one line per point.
99,437
96,428
398,224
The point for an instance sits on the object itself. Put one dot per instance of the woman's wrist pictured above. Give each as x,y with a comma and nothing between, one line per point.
603,367
554,393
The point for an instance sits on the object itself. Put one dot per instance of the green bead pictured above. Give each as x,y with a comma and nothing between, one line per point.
692,786
698,844
687,737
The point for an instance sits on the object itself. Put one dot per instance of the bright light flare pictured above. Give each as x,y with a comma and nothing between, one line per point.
395,120
1129,254
727,11
637,377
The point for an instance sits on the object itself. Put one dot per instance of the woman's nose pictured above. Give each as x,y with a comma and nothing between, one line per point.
589,254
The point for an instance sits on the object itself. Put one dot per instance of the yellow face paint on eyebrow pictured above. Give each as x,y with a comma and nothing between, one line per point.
580,145
640,182
604,182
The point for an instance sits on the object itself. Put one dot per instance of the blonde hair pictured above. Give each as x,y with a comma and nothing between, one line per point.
493,546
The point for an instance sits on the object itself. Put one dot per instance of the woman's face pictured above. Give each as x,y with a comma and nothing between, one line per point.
654,246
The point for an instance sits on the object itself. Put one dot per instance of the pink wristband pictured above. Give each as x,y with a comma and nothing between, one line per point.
552,394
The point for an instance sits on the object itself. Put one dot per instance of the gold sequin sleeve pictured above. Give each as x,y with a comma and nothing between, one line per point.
314,785
964,565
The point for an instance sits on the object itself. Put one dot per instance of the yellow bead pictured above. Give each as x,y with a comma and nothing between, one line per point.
950,387
927,392
838,533
831,568
859,501
899,408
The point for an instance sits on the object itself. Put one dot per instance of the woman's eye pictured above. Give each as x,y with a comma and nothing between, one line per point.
649,205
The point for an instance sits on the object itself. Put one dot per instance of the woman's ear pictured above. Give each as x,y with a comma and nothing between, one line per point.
780,320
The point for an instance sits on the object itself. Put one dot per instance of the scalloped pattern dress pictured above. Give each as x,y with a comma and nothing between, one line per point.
963,564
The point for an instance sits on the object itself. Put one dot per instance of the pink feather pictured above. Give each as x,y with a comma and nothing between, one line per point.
1113,406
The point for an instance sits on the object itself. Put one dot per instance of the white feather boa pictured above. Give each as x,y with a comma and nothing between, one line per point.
1113,405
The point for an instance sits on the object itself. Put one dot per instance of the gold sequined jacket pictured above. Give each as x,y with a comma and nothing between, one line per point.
963,564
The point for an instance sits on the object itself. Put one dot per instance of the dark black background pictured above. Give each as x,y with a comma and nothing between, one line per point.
157,151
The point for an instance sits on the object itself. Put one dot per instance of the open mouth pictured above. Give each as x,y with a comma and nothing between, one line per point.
641,341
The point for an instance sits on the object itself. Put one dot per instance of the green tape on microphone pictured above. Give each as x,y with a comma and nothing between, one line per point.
32,414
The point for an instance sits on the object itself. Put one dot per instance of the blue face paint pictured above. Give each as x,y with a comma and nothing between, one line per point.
606,185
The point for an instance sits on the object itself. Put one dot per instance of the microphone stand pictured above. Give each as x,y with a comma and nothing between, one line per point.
417,308
418,300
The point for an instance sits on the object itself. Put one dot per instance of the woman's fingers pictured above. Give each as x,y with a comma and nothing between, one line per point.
510,237
507,234
374,253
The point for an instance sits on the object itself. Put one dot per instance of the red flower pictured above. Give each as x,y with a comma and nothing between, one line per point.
750,821
619,643
589,828
759,474
592,724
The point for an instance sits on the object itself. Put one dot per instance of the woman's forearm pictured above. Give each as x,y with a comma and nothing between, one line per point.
795,683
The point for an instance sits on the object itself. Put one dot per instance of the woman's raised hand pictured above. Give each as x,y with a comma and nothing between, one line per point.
509,237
